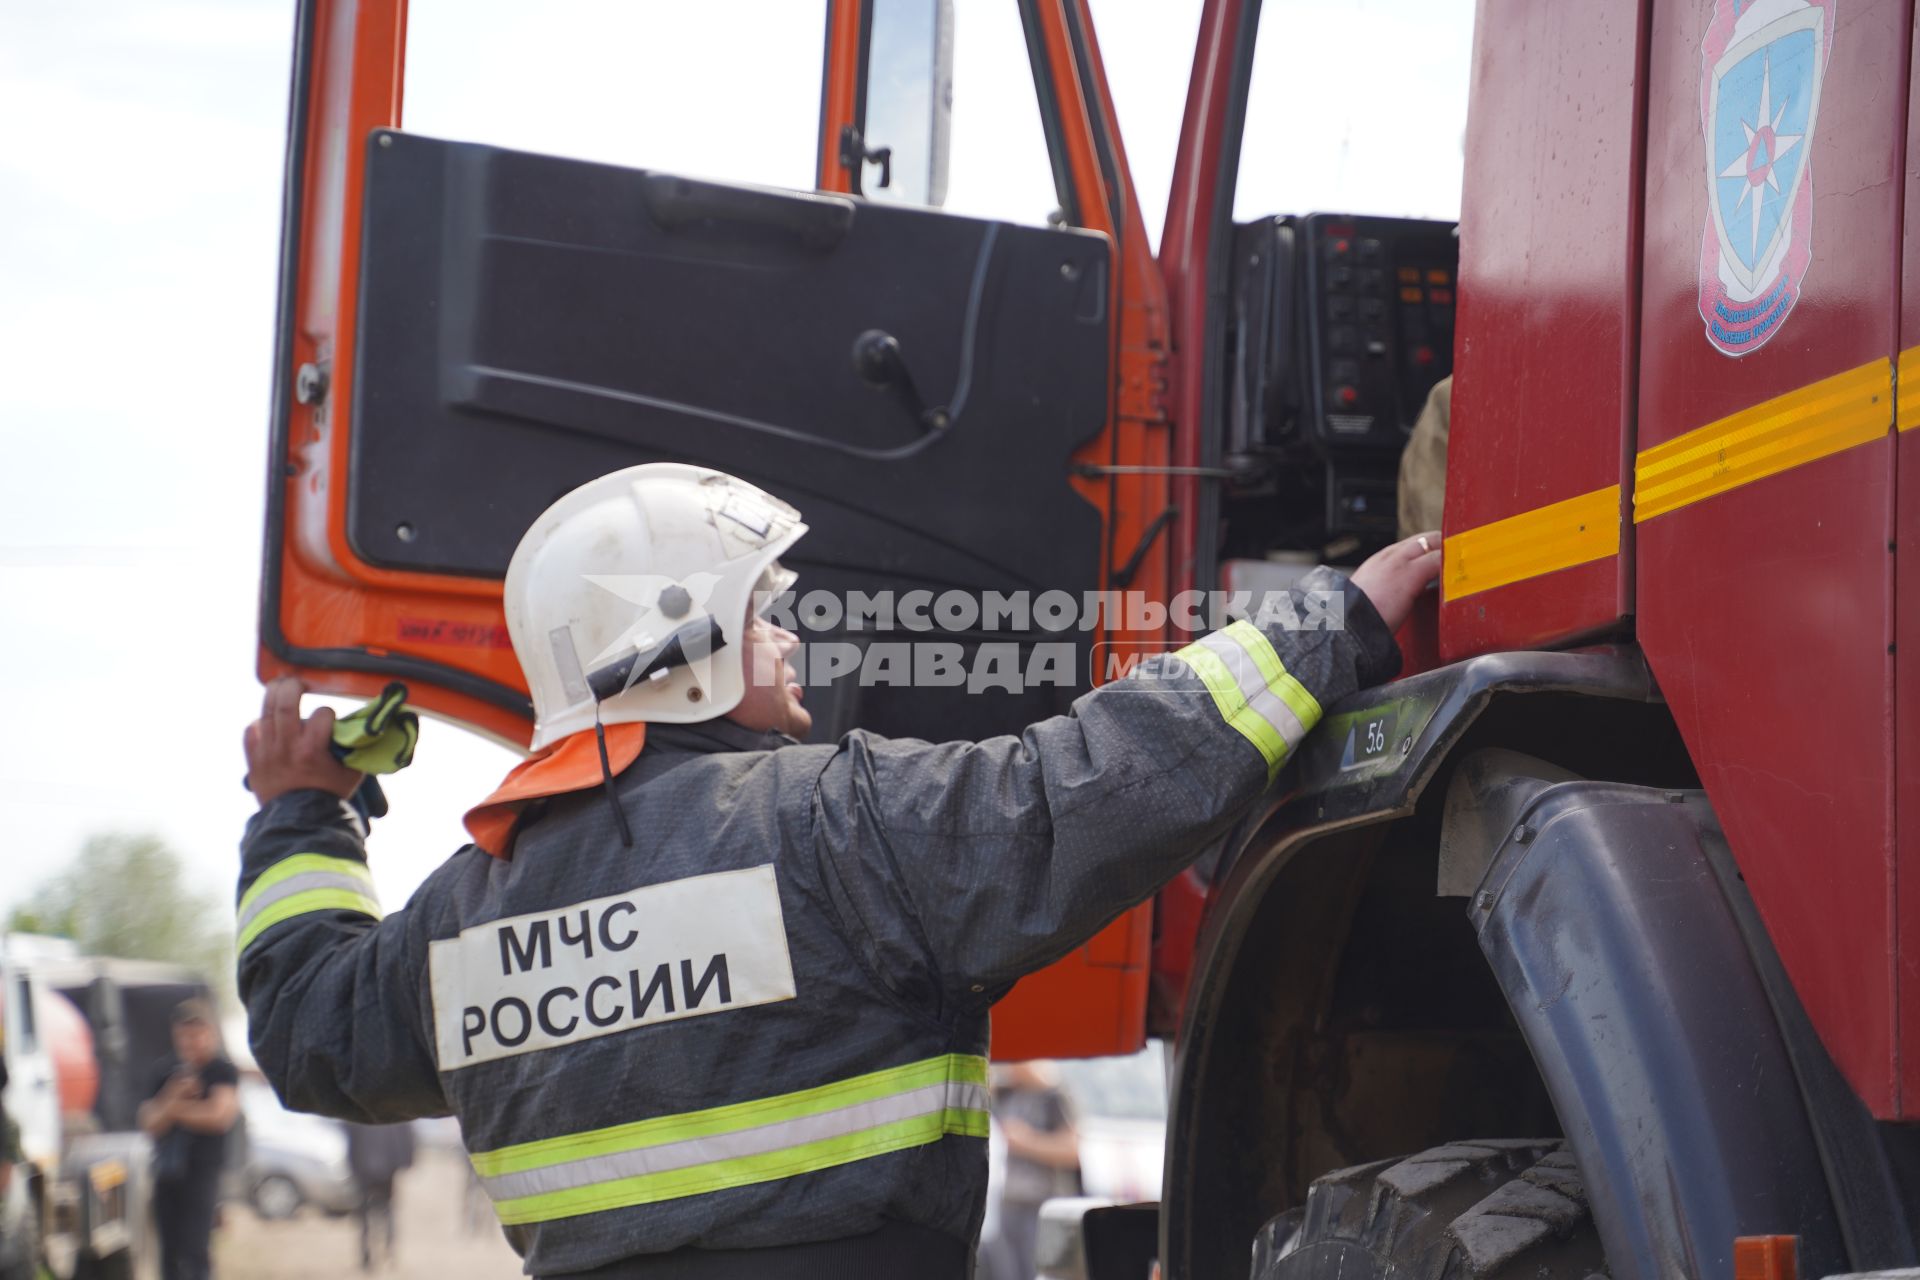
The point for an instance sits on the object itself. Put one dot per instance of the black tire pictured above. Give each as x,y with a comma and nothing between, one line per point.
1481,1210
276,1198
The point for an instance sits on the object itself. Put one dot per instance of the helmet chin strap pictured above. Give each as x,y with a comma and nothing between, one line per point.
690,643
606,778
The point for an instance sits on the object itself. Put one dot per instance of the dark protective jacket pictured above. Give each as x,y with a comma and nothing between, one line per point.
766,1022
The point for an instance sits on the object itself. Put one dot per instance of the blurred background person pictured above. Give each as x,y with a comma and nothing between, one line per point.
1423,463
1042,1161
192,1106
377,1153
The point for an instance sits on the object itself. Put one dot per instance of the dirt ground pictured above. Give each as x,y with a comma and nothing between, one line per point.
434,1242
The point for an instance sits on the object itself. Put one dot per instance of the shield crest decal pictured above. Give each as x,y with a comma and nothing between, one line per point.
1762,63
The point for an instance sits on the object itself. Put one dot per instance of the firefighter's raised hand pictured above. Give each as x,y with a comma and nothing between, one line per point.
286,753
1394,577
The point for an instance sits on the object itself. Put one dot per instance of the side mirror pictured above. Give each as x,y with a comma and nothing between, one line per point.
902,157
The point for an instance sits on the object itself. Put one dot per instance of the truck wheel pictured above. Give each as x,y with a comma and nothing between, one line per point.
1491,1209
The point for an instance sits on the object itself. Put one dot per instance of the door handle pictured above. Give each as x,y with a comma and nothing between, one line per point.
817,221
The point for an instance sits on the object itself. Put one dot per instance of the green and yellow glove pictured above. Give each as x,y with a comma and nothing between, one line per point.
378,737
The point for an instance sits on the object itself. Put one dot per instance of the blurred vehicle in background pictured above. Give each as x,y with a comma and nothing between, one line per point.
82,1034
19,1231
440,1133
293,1160
1118,1107
1120,1112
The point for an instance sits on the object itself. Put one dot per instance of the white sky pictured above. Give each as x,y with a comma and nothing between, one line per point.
140,165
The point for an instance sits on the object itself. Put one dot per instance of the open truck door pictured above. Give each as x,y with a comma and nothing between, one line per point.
467,332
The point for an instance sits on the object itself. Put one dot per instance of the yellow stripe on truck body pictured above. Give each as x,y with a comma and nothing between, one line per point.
1788,431
1778,435
1557,536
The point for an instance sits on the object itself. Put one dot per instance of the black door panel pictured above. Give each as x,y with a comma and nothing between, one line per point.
528,323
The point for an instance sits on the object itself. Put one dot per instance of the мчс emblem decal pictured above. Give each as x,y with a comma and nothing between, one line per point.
1761,66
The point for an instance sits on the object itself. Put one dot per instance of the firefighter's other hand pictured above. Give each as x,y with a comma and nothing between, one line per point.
286,753
1394,577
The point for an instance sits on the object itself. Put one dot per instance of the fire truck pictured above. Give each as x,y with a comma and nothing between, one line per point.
1588,946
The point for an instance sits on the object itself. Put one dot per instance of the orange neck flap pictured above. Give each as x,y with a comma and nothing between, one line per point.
570,764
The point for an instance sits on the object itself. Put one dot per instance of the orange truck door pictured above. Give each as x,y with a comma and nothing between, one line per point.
466,332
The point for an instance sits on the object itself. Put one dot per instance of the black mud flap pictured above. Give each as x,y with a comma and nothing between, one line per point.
1624,961
1123,1241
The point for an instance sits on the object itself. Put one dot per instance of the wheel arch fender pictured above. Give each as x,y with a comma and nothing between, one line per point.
1605,916
1280,902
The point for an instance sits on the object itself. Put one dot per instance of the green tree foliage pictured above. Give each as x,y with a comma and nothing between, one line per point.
126,895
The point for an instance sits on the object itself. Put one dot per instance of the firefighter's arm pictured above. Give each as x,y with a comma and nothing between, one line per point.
1005,855
332,989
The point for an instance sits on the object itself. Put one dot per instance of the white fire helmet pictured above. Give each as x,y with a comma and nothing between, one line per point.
613,571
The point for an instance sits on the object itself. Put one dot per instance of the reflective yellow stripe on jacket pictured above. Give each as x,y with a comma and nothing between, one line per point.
1253,691
305,882
670,1157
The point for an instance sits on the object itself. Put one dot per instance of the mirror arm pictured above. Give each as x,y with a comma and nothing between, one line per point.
854,153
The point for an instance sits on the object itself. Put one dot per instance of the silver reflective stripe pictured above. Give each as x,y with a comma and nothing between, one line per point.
765,1139
1253,687
305,882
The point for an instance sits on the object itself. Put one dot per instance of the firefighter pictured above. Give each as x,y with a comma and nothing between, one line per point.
1423,463
708,1001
